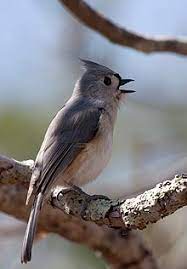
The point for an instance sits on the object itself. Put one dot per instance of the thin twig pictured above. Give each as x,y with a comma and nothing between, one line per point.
120,35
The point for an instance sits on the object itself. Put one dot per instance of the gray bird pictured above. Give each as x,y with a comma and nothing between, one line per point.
78,143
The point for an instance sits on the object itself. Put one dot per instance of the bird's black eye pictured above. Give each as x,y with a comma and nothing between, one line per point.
107,81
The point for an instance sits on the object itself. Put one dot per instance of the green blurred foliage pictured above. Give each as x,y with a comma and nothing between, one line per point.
21,132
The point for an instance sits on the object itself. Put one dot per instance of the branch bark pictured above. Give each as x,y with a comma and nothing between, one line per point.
121,249
118,35
134,213
119,246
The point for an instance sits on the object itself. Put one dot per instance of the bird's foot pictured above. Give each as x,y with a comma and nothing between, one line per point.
98,197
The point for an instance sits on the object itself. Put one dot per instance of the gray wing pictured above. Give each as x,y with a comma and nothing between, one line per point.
65,138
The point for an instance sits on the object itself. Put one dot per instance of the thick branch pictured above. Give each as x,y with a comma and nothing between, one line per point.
14,172
134,213
116,34
121,250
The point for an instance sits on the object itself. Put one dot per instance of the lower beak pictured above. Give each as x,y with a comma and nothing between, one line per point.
127,91
123,82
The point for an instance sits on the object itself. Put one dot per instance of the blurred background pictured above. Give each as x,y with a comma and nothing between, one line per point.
39,50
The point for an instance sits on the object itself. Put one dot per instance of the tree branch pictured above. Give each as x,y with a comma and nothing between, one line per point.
120,248
123,215
133,213
118,35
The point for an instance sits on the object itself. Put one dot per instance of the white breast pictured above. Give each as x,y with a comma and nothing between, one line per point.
93,159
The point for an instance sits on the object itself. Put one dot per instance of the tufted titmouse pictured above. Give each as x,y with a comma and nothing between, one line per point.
78,143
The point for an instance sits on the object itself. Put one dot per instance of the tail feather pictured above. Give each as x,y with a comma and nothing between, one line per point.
31,229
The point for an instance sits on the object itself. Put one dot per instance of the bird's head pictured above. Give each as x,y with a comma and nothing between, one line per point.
101,83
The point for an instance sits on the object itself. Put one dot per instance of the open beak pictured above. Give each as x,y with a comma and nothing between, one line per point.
123,82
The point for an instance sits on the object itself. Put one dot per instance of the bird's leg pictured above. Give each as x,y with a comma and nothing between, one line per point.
98,197
89,197
84,199
75,188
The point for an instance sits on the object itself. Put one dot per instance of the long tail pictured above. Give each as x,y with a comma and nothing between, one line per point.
31,229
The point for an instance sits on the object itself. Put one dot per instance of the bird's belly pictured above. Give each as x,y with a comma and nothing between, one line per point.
91,161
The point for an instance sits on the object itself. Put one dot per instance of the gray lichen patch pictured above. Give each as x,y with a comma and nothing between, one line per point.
98,209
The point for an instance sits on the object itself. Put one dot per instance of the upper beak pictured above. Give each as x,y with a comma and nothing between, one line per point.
123,82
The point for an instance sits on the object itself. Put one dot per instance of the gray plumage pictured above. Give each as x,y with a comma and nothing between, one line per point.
78,142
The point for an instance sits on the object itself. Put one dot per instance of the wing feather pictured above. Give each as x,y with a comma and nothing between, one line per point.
66,136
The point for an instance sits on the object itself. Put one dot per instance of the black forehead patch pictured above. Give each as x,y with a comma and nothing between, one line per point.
117,76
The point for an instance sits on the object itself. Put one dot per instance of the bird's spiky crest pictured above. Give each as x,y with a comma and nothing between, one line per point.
89,65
